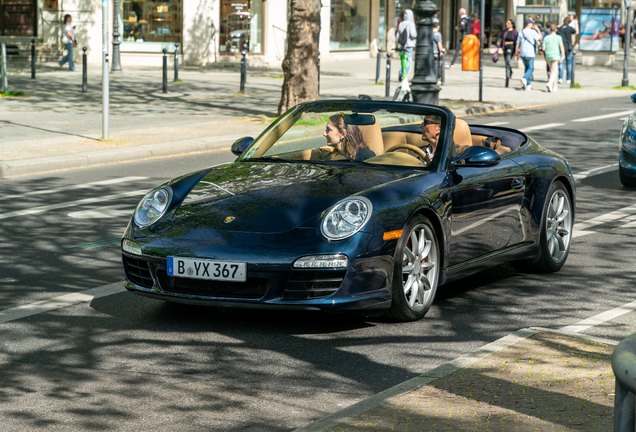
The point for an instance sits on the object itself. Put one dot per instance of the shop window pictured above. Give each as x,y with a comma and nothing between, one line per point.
241,22
400,7
150,26
349,25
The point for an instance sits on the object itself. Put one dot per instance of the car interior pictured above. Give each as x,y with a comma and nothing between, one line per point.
381,139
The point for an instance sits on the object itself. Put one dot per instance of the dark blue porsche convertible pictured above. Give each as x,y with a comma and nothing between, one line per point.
352,206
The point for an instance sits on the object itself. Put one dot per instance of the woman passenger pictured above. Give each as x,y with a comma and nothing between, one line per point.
345,141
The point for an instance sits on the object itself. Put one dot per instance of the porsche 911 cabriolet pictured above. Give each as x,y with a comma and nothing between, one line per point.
352,206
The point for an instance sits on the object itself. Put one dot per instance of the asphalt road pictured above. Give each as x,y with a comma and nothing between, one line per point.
123,362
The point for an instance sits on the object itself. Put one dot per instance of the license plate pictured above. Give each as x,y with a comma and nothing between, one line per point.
194,268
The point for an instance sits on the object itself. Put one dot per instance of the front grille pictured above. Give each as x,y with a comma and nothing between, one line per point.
304,285
137,272
629,158
253,288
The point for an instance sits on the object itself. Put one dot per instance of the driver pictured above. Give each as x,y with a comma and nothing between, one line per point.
430,127
344,141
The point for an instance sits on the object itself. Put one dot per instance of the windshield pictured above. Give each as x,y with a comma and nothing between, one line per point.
334,133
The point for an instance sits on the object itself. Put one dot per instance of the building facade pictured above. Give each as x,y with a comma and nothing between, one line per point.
209,31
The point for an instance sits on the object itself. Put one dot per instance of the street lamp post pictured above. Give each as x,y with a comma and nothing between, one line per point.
424,86
116,68
628,6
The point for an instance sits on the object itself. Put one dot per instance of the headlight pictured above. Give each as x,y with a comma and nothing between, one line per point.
153,206
346,218
631,122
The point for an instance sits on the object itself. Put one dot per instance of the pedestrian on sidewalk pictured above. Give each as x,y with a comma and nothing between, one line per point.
554,55
545,33
507,43
567,33
526,47
475,26
406,37
437,49
465,29
68,39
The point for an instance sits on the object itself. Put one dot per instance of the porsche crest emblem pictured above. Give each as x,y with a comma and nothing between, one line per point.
229,219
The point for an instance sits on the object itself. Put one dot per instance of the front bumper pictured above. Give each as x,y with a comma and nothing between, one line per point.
627,152
364,284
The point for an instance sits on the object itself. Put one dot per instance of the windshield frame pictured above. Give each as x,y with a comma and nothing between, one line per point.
283,123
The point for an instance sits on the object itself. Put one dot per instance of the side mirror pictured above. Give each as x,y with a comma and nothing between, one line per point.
477,156
241,144
633,97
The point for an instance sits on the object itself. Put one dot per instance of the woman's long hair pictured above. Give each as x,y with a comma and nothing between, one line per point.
354,140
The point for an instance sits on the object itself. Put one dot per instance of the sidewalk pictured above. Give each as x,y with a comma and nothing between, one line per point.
56,126
532,380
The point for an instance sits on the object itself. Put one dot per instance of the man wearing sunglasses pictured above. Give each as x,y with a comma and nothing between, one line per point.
431,127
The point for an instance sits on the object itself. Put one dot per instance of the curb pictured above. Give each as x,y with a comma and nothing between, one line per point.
332,420
130,154
463,112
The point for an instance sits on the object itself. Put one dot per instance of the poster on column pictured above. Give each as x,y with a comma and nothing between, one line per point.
599,29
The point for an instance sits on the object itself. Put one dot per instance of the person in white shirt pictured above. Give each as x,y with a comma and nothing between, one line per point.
68,39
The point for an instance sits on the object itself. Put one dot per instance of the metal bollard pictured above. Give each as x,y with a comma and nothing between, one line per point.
176,62
165,71
378,66
573,67
4,81
84,72
388,75
318,65
32,58
243,68
442,66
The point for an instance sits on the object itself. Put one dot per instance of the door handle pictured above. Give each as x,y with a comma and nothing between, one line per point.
518,183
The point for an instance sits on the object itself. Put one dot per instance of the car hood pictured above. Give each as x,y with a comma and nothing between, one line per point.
274,197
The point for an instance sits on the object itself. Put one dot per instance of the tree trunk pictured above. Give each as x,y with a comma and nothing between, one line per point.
301,60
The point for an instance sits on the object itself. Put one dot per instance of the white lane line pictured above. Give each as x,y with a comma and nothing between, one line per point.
580,229
60,302
101,199
540,127
496,124
600,318
604,116
79,186
105,212
595,171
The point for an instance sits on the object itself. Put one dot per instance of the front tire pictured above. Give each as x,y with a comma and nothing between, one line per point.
415,271
556,232
625,179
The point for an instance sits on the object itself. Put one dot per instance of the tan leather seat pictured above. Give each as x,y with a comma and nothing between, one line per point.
392,138
372,135
461,135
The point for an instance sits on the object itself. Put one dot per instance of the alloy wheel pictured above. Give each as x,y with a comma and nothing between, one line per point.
419,267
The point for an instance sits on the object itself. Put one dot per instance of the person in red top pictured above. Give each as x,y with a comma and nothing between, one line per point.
476,25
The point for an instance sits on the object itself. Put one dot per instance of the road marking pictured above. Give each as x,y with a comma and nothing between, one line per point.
60,302
580,229
104,212
497,124
80,186
604,116
97,244
105,198
540,127
601,318
595,171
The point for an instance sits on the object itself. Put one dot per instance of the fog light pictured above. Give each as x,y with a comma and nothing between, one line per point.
322,261
131,247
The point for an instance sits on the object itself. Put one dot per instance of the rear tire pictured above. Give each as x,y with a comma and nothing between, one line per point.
625,179
556,232
415,271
